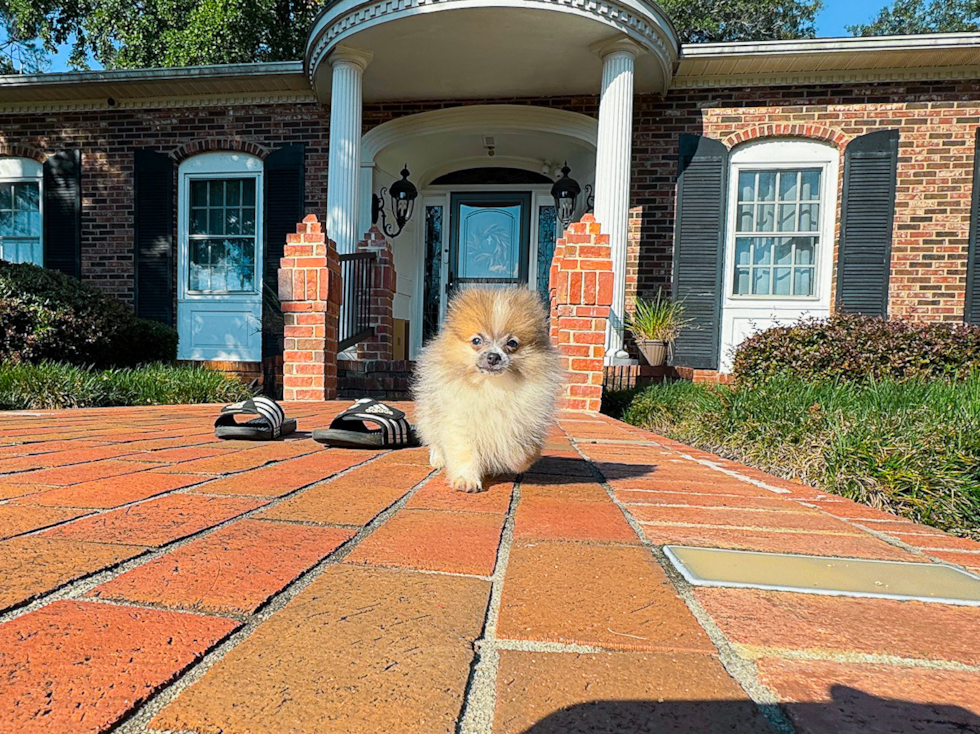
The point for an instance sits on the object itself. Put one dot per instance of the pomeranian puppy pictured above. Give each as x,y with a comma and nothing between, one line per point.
486,388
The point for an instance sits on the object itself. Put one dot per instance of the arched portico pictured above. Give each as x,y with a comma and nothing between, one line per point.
487,49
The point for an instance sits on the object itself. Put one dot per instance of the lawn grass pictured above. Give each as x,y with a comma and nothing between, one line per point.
55,385
911,447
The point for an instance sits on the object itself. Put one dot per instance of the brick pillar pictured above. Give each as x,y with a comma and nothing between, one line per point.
310,293
581,286
381,298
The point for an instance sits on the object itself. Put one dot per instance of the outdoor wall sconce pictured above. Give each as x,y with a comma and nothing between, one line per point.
403,194
565,191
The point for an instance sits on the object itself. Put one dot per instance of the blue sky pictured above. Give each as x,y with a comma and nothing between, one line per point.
830,22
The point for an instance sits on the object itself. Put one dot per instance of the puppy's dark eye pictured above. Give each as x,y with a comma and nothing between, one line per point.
512,344
476,341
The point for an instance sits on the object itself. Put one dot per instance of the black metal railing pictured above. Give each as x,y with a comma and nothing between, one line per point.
357,271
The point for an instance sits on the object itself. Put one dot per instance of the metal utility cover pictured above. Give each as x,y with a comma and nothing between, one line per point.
827,575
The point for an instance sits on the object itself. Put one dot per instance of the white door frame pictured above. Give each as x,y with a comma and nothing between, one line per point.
242,311
745,314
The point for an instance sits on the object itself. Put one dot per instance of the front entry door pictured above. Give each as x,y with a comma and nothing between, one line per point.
219,306
490,239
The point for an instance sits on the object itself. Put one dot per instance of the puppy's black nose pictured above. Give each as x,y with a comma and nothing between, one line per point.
493,359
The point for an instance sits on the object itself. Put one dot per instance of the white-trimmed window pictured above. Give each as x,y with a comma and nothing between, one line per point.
781,220
20,211
222,235
219,199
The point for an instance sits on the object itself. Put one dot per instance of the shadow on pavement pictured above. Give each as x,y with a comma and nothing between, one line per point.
850,711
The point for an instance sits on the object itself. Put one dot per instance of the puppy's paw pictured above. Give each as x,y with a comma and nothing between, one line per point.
436,459
466,480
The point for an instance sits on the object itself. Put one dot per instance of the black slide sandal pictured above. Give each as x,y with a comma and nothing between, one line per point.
349,430
271,423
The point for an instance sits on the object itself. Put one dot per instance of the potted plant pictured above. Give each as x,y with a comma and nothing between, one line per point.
655,324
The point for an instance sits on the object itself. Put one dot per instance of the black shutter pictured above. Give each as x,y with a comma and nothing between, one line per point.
867,215
283,206
699,246
63,212
971,311
153,193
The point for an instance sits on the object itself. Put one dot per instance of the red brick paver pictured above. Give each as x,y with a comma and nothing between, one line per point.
234,569
79,667
377,599
156,521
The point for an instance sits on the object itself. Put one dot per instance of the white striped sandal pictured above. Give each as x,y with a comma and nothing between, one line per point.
270,424
353,429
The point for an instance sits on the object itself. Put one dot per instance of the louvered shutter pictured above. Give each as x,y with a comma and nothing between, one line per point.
699,238
971,312
867,216
62,184
284,199
153,179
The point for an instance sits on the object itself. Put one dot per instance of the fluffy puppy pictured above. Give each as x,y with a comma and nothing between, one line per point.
486,388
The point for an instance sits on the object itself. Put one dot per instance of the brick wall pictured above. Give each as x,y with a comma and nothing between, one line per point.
937,123
310,294
581,286
381,297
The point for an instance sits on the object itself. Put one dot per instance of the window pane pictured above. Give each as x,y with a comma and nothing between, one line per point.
767,186
804,250
217,193
787,217
763,251
6,223
784,252
741,281
765,215
746,186
743,251
745,220
215,223
199,193
222,265
760,281
803,282
781,281
809,217
248,221
233,191
248,192
233,221
6,196
787,185
27,196
810,185
199,221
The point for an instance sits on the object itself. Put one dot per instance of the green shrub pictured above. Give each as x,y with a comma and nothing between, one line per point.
850,347
51,385
911,446
46,315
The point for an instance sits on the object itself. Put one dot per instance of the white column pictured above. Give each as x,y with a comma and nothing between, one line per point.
344,160
612,172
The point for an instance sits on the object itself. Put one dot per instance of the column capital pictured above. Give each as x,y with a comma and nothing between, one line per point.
620,44
350,55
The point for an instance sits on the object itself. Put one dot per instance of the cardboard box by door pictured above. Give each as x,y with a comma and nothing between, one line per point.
400,346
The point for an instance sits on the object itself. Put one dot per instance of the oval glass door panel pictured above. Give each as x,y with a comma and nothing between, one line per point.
489,242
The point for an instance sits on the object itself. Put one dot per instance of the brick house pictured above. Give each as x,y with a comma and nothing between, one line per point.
760,182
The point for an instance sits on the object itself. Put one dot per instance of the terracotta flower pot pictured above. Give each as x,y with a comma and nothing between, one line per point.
655,351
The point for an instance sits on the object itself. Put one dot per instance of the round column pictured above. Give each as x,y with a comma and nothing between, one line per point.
612,173
344,158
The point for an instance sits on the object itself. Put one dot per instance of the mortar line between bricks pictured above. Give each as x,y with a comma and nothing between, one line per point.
754,652
480,696
137,721
79,587
741,670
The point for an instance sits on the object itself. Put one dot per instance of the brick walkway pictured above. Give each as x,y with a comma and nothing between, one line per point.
155,579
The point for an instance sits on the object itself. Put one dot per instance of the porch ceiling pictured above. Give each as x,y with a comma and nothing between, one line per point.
464,49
